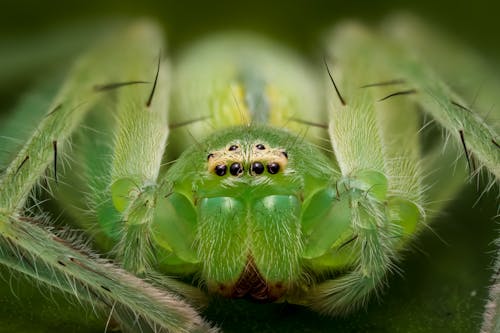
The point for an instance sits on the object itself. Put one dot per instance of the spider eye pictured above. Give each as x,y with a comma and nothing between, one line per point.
260,146
220,169
257,168
273,168
236,168
233,147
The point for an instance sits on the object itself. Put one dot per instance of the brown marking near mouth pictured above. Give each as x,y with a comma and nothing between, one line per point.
251,285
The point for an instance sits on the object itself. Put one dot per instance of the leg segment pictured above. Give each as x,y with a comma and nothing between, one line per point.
31,247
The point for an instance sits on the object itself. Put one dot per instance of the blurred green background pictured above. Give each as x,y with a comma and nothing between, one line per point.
296,22
445,278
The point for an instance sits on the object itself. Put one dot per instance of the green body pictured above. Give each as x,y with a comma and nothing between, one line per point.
253,208
238,168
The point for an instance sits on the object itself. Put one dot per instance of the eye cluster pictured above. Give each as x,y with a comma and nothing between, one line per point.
257,167
235,169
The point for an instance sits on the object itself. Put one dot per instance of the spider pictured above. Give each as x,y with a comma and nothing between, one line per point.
241,171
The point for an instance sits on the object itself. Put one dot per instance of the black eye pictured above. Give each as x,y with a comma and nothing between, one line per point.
257,168
236,169
273,168
220,170
260,146
233,147
210,155
284,153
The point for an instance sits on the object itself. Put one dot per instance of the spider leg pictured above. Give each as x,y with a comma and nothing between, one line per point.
30,244
375,142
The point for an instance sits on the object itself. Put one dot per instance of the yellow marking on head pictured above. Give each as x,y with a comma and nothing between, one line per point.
228,107
238,108
279,106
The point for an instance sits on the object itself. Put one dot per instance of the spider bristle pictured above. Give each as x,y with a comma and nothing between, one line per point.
384,83
466,151
150,98
54,146
22,163
460,106
55,109
186,123
309,123
398,93
342,101
495,143
117,85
